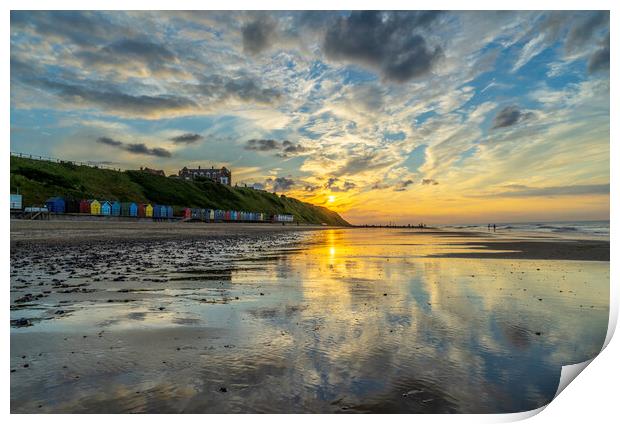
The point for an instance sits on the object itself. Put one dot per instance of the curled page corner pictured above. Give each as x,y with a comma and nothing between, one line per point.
569,372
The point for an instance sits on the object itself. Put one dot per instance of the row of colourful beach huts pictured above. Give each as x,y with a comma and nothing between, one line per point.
60,205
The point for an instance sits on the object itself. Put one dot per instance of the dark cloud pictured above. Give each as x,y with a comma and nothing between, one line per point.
599,61
80,28
142,149
262,145
127,52
585,29
119,98
109,141
556,191
332,185
402,186
258,35
284,149
280,183
140,49
100,94
137,148
291,149
387,41
429,181
509,116
219,88
187,138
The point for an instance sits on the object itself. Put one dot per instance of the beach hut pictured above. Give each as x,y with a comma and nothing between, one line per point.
95,207
170,212
72,205
148,210
156,211
163,211
115,208
106,208
125,208
227,216
187,213
133,209
85,206
195,213
211,215
55,204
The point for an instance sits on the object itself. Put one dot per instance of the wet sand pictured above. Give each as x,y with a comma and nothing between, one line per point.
228,318
476,244
78,231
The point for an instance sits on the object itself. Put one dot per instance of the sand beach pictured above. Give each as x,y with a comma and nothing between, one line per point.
270,318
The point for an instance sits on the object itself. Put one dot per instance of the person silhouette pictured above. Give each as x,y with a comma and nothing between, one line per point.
493,227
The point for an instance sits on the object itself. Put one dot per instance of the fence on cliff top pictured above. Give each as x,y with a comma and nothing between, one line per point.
56,160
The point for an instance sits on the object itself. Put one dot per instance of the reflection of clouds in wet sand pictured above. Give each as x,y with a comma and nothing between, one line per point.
353,322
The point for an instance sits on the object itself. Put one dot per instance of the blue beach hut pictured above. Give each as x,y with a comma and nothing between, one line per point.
133,209
116,208
55,204
106,208
170,212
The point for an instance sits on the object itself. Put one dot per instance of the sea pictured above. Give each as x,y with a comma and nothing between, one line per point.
577,229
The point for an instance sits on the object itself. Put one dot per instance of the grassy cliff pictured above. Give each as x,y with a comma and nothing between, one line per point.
39,180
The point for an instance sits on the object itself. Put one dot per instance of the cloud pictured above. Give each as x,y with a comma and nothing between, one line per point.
100,94
80,28
509,116
109,141
429,181
137,148
126,54
262,145
389,42
574,190
332,185
140,49
402,186
599,61
530,50
291,149
586,29
187,138
284,149
142,100
280,183
258,35
219,88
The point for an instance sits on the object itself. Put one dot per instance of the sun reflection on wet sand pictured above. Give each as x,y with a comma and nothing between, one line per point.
354,321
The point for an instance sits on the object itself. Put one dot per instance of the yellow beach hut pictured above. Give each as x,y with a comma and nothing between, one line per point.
95,208
148,210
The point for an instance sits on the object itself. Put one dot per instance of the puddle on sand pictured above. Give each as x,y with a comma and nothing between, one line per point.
331,321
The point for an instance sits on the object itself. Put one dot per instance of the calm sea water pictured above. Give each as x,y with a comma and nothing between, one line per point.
330,321
580,229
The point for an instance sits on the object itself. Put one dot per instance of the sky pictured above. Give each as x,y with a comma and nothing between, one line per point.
403,117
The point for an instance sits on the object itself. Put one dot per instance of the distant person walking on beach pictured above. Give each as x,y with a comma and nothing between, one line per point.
493,227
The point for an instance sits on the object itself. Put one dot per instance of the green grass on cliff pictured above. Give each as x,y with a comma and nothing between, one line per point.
38,180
